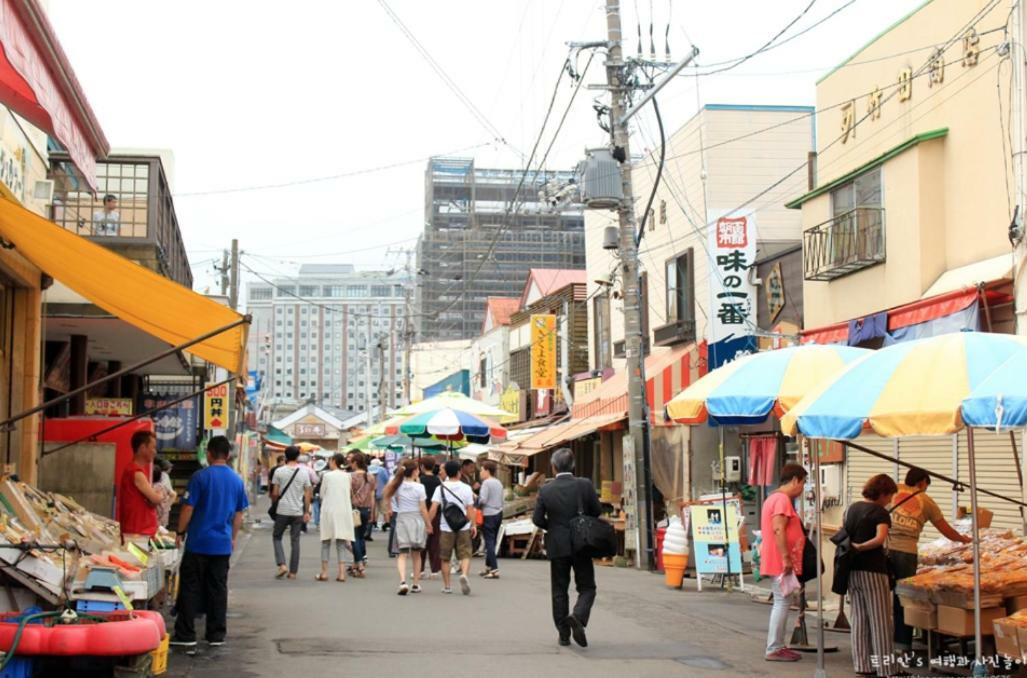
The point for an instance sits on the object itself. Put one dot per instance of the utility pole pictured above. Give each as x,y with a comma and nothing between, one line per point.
224,272
637,424
367,377
382,383
233,285
1018,121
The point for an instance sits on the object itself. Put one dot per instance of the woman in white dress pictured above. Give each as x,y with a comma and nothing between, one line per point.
336,516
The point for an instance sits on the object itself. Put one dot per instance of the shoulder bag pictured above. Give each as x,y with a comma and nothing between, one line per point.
591,536
844,552
453,514
273,509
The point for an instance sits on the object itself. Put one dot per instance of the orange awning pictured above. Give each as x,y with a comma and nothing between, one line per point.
517,453
123,288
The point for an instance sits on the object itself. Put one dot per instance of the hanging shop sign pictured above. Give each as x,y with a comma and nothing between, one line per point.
775,289
216,404
715,535
543,351
176,425
732,252
511,401
109,407
583,387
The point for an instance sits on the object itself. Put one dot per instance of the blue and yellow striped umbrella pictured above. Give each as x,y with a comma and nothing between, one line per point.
914,388
1000,401
749,389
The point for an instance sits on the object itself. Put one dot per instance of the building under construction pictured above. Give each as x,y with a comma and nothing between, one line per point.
483,231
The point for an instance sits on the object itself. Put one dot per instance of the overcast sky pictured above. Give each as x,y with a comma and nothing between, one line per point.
255,93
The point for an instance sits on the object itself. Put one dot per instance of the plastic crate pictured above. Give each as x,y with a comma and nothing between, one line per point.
19,667
160,657
97,606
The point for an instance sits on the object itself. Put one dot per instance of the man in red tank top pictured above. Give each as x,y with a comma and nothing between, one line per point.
137,500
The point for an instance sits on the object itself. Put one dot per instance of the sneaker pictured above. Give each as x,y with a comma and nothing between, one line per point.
465,586
215,643
783,655
494,574
403,589
416,588
182,643
446,589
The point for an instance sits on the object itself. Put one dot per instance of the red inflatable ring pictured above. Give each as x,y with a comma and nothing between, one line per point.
126,634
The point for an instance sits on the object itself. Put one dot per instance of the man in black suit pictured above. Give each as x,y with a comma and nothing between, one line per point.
558,503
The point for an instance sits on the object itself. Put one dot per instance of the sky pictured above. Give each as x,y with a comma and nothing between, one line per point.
333,100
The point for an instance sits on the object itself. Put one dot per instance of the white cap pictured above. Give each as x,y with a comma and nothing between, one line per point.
376,462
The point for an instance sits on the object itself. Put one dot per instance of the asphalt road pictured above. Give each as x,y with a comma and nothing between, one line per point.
362,628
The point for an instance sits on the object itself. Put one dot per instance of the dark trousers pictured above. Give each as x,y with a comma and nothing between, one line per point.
490,527
393,551
903,565
360,536
295,525
203,585
430,556
584,581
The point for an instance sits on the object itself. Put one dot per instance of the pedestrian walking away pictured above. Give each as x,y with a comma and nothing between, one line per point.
362,487
490,503
781,555
211,517
455,501
291,494
911,510
337,523
867,523
430,557
558,502
320,468
412,522
380,474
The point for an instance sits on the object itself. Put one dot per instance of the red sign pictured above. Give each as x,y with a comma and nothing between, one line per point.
28,86
732,232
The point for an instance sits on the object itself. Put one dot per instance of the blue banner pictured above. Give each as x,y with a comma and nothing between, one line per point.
176,425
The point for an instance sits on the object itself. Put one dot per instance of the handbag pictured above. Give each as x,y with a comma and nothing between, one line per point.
809,561
452,513
273,509
356,518
591,536
844,553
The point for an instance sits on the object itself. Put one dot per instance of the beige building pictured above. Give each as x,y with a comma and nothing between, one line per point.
740,150
905,230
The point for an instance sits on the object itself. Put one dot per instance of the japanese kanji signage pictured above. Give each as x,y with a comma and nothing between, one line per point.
543,351
216,403
774,286
732,248
109,407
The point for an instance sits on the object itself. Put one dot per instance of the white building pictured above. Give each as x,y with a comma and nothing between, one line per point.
311,333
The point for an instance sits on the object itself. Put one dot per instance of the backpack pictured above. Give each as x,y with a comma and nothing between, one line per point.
453,514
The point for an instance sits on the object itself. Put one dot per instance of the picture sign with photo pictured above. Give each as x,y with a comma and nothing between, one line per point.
715,535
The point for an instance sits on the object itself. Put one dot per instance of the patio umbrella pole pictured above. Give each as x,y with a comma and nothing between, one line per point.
820,672
979,668
723,499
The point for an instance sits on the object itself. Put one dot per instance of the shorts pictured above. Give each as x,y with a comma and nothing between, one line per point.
460,540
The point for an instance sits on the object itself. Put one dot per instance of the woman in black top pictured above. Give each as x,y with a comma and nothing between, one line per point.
867,523
431,556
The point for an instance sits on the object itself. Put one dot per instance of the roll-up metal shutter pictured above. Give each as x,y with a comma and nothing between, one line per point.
860,466
937,454
996,471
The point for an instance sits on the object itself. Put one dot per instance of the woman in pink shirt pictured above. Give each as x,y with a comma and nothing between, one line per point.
781,553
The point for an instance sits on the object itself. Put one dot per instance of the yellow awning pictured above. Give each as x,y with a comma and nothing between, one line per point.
123,288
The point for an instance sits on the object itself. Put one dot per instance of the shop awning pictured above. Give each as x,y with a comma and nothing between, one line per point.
121,287
667,374
516,453
969,276
37,83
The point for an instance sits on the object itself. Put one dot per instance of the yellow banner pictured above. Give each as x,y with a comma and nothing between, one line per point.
543,351
216,402
109,407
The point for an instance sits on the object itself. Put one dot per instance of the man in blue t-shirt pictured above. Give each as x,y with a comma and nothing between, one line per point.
211,518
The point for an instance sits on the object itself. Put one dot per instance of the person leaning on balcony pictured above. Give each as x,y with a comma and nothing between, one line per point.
108,220
911,509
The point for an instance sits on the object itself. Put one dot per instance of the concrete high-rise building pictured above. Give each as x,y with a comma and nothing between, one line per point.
481,237
311,334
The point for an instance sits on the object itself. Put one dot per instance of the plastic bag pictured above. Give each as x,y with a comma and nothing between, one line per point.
788,583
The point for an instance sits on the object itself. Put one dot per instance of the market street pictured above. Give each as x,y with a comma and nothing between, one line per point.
638,626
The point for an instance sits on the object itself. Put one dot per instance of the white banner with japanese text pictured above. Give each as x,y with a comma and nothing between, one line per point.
732,251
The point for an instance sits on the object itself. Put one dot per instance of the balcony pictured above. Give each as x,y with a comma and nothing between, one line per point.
139,224
674,333
847,243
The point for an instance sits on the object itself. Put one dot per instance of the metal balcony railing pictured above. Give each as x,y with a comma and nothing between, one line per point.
847,243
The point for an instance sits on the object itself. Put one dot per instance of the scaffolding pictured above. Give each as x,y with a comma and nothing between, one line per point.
465,208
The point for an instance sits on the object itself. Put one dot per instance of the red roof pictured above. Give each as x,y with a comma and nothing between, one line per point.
549,280
500,309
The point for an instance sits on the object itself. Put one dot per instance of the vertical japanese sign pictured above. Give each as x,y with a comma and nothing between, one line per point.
732,317
175,425
543,351
216,402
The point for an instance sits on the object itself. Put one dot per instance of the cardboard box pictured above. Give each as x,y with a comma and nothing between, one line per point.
1021,635
921,617
955,621
1007,640
1015,604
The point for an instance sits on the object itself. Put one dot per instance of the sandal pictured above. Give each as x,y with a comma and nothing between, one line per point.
321,577
342,579
359,574
494,574
282,571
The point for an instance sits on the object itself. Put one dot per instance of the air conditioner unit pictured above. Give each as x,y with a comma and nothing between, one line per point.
43,191
831,481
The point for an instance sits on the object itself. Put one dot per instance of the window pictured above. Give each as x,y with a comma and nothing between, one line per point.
380,290
285,291
356,291
863,191
601,331
333,290
681,287
308,291
260,293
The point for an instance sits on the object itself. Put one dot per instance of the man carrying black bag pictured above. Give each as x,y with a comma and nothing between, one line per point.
559,502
